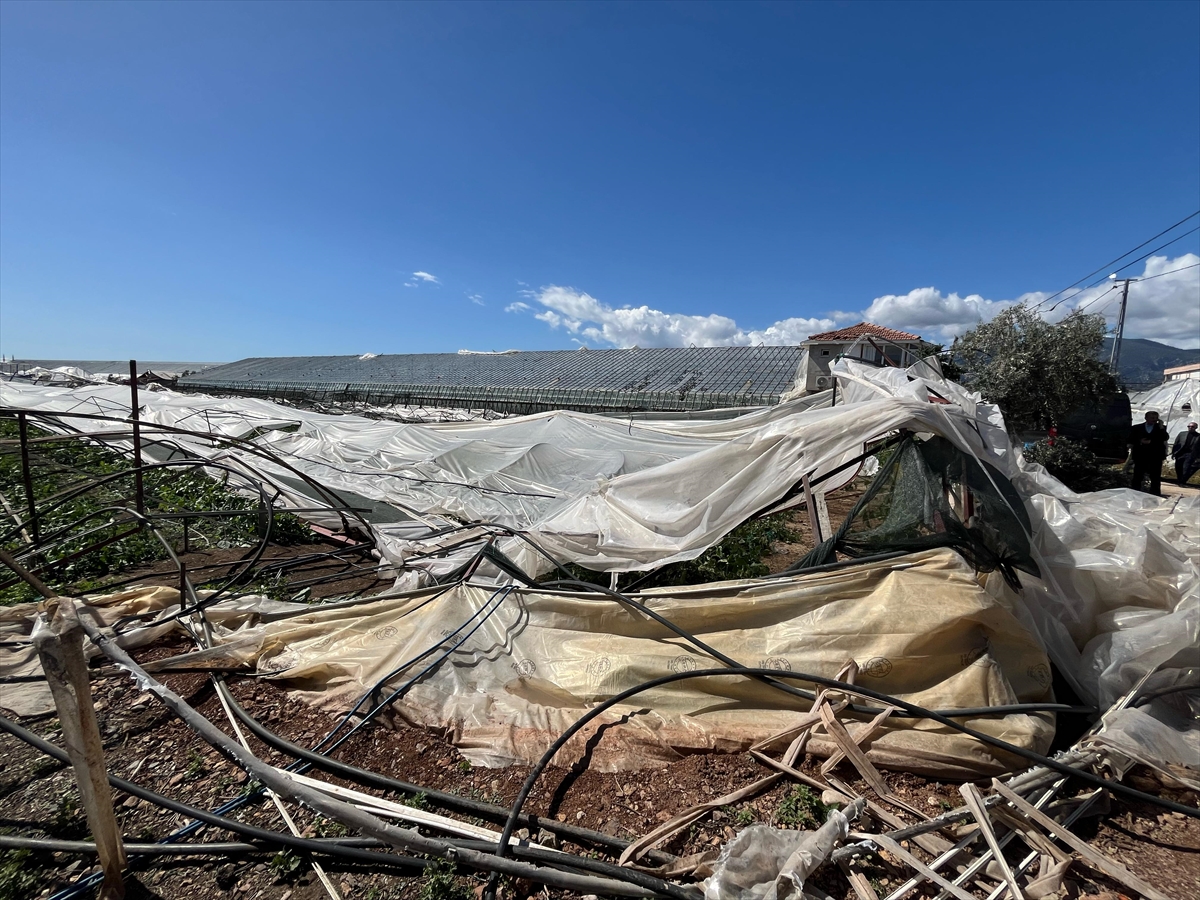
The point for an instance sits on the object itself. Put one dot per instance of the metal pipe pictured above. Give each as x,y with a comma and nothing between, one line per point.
27,477
139,495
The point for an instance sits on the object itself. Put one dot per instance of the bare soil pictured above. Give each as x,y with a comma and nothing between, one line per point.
147,745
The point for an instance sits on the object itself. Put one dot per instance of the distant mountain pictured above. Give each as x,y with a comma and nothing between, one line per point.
1143,361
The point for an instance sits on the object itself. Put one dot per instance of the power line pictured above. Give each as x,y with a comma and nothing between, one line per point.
1103,306
1159,247
1126,266
1171,272
1108,265
1088,303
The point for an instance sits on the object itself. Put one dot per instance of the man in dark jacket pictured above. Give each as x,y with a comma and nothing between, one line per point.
1186,453
1148,449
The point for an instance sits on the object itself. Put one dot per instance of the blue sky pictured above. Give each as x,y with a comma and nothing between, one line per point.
214,181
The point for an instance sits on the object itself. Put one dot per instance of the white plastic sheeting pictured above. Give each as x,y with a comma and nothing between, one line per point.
1176,402
610,494
1120,589
765,863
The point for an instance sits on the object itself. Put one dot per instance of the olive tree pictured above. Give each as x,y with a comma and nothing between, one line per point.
1036,372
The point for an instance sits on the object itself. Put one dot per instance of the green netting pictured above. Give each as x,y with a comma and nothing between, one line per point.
930,494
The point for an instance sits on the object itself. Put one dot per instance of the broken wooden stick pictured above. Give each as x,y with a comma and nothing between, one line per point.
1090,854
975,803
59,646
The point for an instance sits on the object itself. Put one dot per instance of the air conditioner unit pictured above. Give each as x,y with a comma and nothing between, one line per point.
824,382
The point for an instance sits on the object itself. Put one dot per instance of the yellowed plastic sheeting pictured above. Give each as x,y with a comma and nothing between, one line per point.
921,628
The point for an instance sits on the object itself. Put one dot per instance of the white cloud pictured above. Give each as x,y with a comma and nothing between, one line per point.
1162,306
932,314
477,299
582,314
425,276
410,284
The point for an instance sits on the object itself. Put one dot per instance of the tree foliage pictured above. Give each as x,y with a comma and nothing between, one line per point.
1036,372
1075,466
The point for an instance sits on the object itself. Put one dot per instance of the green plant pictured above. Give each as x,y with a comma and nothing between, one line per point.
252,786
62,472
739,555
801,809
744,816
67,822
1037,373
440,883
19,874
195,767
464,766
329,828
1075,465
416,801
285,864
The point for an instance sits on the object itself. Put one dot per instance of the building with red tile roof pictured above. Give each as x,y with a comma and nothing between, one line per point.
864,329
865,341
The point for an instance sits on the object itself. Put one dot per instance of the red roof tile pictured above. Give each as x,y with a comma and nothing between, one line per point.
864,329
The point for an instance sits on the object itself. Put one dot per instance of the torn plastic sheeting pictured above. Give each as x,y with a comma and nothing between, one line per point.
1176,402
1156,737
18,659
921,628
765,863
604,493
1120,587
1126,564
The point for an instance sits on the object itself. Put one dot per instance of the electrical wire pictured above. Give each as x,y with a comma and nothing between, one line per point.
1169,272
1122,268
1108,265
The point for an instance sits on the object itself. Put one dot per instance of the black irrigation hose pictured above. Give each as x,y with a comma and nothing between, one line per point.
734,665
1143,699
499,597
247,562
437,798
568,861
250,831
833,684
268,565
213,848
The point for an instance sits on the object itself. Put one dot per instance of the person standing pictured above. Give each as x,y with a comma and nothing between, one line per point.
1186,453
1148,447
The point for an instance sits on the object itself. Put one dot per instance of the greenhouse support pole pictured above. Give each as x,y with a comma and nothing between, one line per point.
137,438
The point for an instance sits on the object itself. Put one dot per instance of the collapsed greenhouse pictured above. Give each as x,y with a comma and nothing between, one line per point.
928,632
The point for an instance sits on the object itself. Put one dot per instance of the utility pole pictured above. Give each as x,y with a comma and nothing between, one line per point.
1114,358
